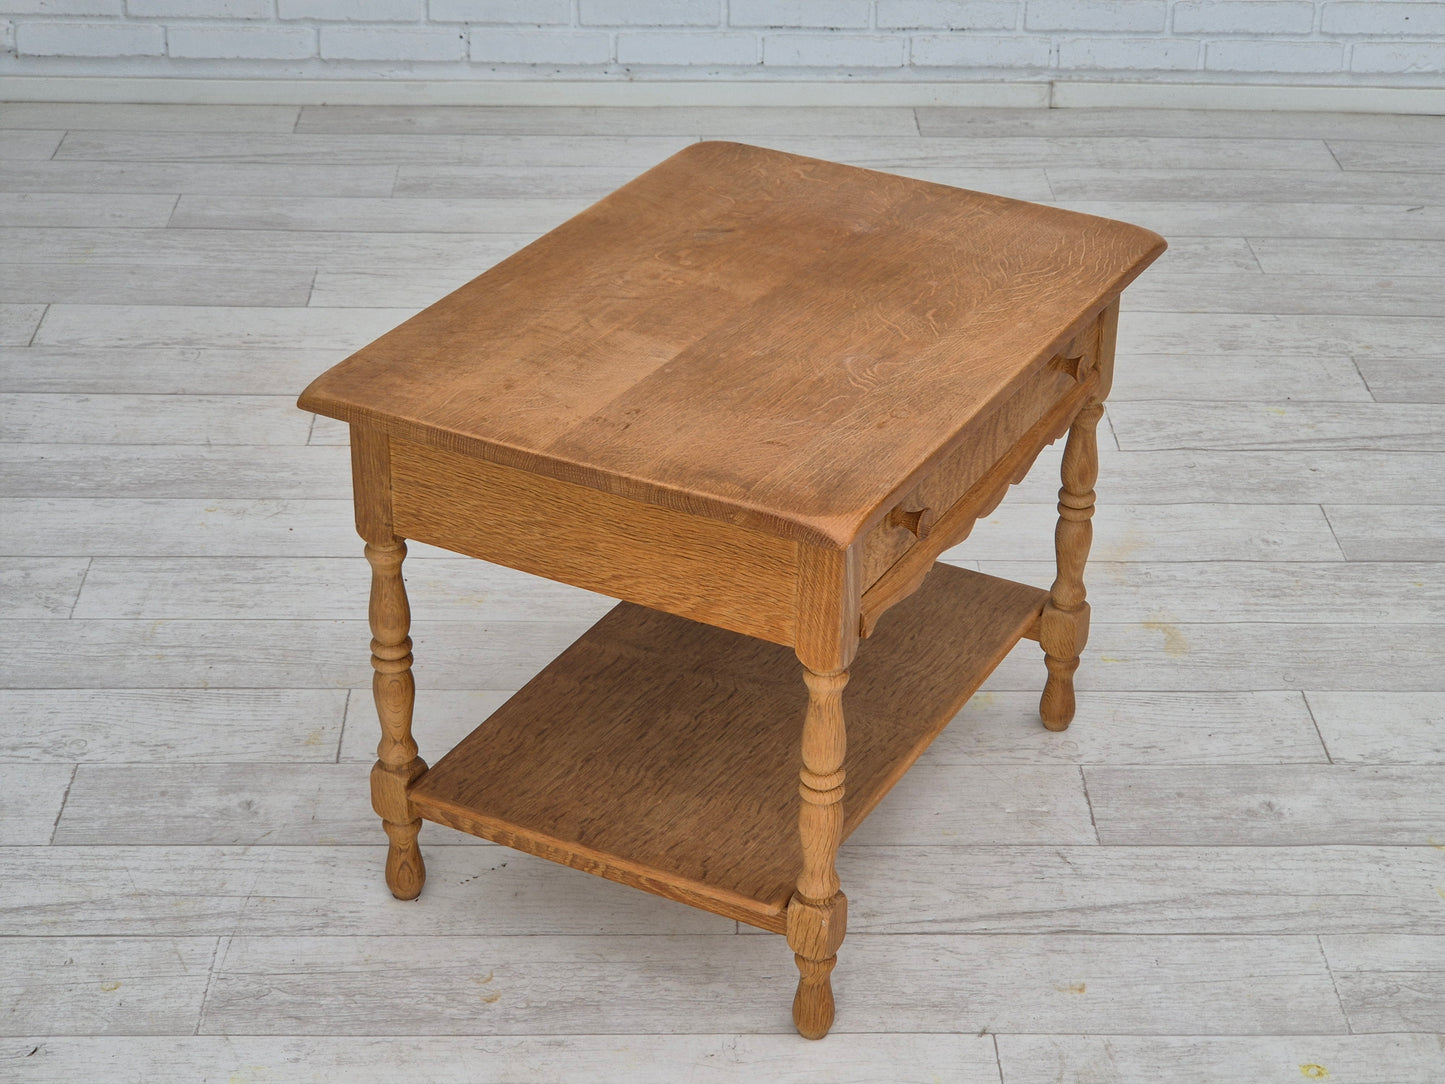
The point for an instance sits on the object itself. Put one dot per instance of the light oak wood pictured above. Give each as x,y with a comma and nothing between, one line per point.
676,399
623,393
1064,626
393,688
723,574
651,751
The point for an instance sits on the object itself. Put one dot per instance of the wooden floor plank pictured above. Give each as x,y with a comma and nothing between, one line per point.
1396,532
1209,378
1119,728
35,526
137,326
961,122
401,287
1286,185
1249,218
82,209
1299,593
173,370
218,804
168,420
1280,1059
147,284
335,249
1141,890
504,1059
1062,152
1169,425
1265,477
30,799
430,180
21,144
227,588
1385,257
292,891
274,654
148,726
231,178
40,586
127,116
1404,380
373,215
1389,982
1289,293
1258,805
18,323
1019,530
1249,333
187,471
1424,156
313,148
499,986
1168,656
60,985
604,120
1381,727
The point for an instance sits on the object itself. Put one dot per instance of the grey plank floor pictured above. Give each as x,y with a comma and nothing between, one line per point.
1232,868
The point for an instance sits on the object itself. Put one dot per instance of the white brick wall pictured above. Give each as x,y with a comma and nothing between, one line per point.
1332,42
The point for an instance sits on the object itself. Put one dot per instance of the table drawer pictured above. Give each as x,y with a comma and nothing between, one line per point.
703,569
940,509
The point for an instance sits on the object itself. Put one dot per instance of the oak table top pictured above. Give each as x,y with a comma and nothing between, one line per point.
754,397
774,341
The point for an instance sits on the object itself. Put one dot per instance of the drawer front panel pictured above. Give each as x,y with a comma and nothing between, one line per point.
702,569
987,443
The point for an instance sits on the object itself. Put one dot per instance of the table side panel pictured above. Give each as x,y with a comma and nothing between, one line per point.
703,569
664,754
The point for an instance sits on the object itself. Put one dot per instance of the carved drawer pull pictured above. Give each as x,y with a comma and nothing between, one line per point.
917,522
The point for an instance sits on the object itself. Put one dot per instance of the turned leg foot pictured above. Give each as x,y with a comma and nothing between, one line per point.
405,871
1064,624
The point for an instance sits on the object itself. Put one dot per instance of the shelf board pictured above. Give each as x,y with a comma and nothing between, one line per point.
664,753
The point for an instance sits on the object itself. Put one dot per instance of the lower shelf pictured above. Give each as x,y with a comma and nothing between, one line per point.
664,754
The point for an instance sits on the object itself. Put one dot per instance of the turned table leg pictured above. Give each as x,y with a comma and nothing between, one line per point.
394,690
818,911
1064,626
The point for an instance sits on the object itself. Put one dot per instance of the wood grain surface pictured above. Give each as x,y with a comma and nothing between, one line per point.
659,752
749,335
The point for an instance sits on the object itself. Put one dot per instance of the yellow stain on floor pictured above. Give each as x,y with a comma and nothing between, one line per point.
1175,644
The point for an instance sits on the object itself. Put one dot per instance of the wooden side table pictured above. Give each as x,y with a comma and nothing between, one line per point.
754,396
